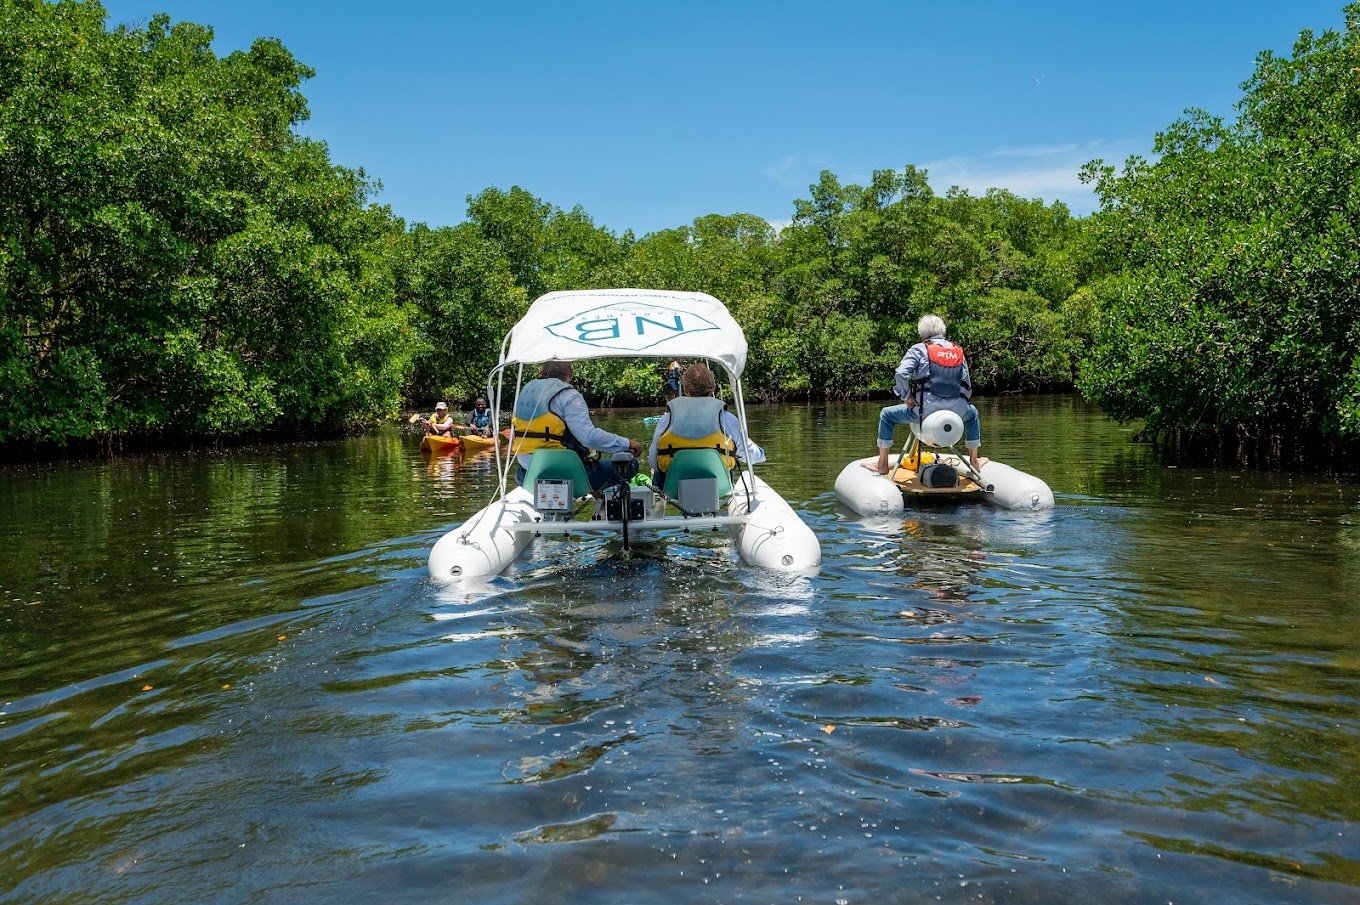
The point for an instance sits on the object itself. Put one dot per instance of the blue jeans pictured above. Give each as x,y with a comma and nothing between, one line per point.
893,415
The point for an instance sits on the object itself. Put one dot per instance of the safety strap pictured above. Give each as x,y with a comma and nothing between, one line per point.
541,435
672,450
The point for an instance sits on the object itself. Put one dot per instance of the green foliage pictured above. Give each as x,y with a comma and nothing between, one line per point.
465,299
545,248
176,259
860,265
1236,312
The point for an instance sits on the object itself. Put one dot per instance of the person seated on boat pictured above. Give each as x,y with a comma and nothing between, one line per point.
552,414
479,419
699,420
933,375
441,422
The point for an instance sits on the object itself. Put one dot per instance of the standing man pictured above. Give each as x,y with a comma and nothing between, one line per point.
933,375
673,375
552,414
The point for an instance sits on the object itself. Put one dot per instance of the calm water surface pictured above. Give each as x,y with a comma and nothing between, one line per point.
226,678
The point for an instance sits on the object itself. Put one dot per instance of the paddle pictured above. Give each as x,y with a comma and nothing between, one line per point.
460,428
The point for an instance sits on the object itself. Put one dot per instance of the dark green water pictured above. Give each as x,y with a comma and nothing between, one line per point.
227,678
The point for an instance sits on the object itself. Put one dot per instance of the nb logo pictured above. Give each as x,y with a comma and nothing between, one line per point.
629,326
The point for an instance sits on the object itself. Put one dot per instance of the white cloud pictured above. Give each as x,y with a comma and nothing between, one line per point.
1030,171
793,170
1039,171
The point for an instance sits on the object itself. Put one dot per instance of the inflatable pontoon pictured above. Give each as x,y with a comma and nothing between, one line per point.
926,472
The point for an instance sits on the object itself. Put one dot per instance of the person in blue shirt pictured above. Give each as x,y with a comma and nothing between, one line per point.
673,375
933,375
551,413
479,419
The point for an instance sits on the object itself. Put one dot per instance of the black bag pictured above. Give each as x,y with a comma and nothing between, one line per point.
938,474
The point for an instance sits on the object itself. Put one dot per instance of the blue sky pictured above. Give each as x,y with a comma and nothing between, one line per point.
648,115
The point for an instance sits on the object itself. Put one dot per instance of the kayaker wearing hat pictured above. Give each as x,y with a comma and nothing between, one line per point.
441,422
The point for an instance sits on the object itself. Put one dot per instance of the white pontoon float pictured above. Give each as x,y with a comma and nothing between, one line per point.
926,472
624,323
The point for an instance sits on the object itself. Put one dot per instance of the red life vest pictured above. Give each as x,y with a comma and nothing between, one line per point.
946,356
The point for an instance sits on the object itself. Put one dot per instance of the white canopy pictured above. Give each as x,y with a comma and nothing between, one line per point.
623,323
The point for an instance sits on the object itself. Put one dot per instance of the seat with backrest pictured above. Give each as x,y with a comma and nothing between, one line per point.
557,465
696,463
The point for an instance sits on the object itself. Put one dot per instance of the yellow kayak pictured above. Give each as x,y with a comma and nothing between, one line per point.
474,444
437,445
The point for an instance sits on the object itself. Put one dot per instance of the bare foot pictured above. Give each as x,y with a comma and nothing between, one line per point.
874,468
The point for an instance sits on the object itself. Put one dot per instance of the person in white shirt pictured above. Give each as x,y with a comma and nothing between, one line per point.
699,420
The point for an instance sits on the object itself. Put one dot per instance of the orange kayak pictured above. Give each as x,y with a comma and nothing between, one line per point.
437,445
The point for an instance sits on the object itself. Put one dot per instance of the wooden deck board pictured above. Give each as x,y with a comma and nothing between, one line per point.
906,479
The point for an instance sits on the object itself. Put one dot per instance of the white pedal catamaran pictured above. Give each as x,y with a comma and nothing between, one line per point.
555,497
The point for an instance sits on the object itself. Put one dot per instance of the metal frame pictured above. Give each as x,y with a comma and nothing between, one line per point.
682,523
495,385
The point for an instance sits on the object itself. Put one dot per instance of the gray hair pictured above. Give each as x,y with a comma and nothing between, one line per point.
556,368
930,325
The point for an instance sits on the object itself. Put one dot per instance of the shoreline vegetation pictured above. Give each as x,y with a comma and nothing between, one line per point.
180,267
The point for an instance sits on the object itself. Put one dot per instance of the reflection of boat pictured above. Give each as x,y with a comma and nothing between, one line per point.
437,445
923,475
473,444
624,323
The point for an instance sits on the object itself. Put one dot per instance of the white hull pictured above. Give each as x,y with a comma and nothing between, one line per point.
769,534
1014,489
773,536
484,545
870,494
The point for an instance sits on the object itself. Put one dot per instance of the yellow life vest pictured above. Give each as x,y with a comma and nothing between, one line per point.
536,426
547,431
668,444
434,419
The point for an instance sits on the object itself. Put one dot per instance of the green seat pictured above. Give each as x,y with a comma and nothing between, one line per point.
696,463
557,465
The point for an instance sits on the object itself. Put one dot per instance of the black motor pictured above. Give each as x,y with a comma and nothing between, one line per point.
620,506
938,474
614,507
